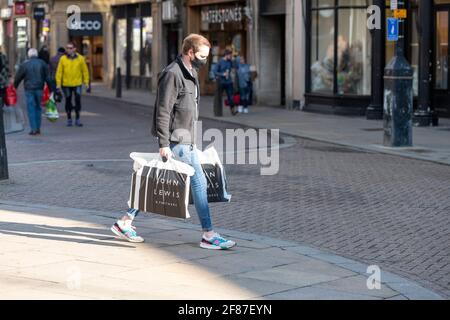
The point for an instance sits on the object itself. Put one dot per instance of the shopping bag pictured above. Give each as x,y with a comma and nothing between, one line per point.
11,96
45,96
236,100
13,119
216,179
51,110
160,187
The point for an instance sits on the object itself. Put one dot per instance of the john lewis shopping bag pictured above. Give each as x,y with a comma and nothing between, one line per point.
215,176
160,187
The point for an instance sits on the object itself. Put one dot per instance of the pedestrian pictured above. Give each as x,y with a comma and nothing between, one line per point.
54,62
174,124
34,72
245,84
71,74
225,82
44,54
4,76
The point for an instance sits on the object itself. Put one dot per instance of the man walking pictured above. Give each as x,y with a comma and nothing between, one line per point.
71,74
245,84
224,82
35,74
54,62
174,124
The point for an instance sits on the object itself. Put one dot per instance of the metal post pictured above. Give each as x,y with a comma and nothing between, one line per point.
118,83
218,101
3,154
423,117
375,109
398,95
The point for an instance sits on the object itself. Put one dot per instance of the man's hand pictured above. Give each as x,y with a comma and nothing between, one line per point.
165,153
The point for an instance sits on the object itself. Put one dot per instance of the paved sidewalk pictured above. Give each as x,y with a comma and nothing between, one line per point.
430,144
63,253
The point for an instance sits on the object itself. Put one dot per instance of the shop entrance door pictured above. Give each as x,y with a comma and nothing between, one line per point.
221,40
91,47
442,59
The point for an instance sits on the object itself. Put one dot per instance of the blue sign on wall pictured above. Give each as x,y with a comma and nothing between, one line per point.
392,29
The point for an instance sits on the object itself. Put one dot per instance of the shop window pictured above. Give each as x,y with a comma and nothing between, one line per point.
121,45
147,40
414,45
350,72
442,50
22,41
354,53
322,46
136,47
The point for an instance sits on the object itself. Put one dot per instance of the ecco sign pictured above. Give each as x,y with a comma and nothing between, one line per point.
90,24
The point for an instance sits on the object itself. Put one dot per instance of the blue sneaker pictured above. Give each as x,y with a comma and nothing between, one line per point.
69,123
78,123
217,243
126,231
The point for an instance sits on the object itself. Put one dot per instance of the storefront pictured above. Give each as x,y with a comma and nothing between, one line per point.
88,38
22,31
224,23
345,60
133,41
441,57
6,31
338,54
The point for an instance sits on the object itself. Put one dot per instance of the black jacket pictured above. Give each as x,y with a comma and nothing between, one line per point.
35,74
176,109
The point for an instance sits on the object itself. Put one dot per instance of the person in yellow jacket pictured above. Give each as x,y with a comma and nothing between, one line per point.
71,74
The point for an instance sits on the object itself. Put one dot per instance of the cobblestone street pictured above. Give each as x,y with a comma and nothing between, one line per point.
374,208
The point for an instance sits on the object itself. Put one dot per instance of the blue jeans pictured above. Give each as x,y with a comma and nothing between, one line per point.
34,98
186,154
229,89
245,96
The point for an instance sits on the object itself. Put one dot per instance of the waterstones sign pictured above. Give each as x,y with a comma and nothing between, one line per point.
223,15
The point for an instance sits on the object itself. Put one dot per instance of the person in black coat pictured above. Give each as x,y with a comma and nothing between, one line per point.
34,73
44,54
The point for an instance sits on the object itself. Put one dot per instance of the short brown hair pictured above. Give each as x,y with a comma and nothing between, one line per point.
194,41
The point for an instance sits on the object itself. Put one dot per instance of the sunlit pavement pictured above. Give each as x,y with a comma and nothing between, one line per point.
62,253
364,206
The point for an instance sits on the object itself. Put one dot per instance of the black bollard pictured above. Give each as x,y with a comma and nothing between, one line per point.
398,103
118,83
398,95
3,154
